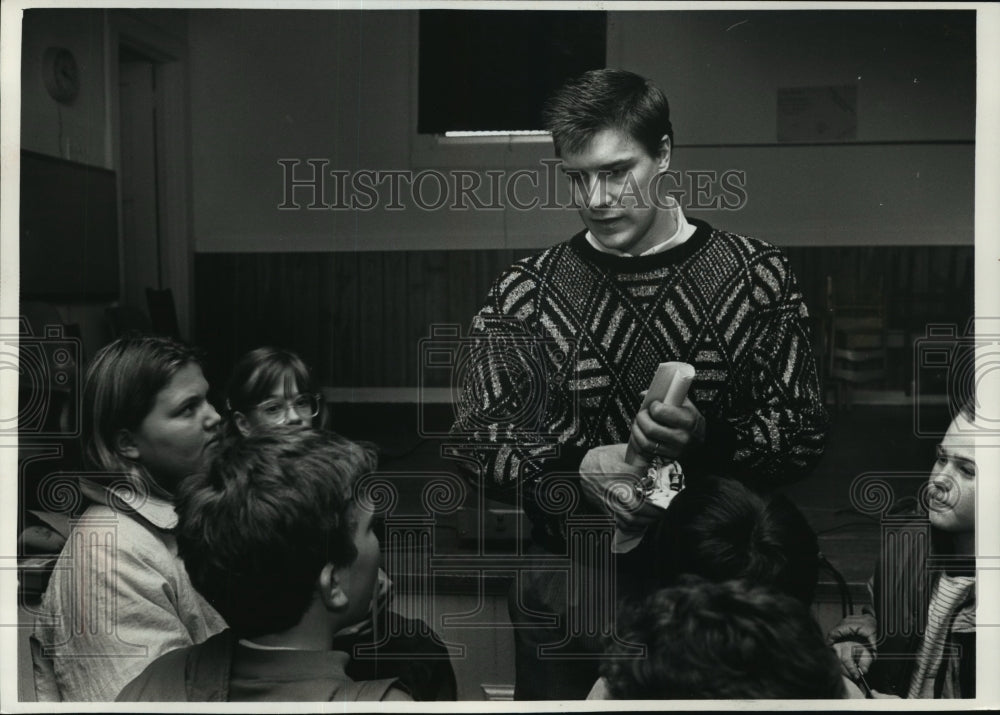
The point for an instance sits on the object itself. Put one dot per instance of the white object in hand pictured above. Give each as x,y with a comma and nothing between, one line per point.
670,386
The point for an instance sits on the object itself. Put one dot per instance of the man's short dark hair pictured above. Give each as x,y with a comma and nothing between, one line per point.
257,528
727,640
721,530
608,99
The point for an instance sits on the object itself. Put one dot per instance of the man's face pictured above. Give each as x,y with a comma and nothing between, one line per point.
953,480
358,579
611,177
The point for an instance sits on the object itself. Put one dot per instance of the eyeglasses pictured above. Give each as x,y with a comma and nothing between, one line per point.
275,412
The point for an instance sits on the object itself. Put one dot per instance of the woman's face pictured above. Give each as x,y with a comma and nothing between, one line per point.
953,480
181,431
284,405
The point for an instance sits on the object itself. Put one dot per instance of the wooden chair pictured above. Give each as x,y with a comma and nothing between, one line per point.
857,338
162,312
126,318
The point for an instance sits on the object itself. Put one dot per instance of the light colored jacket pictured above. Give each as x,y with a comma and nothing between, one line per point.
119,598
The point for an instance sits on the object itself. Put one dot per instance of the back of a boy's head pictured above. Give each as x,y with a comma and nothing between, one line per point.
721,530
728,640
257,528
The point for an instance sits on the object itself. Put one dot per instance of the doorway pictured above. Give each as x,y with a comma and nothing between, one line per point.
137,170
147,54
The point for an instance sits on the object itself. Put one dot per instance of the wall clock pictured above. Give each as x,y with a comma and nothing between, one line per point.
62,76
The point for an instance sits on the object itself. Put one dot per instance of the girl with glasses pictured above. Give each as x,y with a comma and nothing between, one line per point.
268,387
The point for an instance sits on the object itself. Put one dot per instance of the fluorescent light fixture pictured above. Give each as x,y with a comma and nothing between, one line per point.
493,133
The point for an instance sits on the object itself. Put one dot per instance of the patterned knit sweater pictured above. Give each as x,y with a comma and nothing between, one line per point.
569,338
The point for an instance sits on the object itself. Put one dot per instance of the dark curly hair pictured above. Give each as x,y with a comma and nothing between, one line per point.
257,528
727,640
721,530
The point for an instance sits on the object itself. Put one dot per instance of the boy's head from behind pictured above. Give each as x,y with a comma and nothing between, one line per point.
272,525
725,640
720,530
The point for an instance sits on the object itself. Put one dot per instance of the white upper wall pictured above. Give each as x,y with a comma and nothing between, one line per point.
77,131
722,70
339,86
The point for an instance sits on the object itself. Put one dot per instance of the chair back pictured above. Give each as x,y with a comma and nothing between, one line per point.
163,313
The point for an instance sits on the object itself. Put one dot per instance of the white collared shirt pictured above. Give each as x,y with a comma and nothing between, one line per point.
683,233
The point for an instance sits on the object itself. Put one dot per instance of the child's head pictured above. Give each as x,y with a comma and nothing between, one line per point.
272,525
146,410
952,492
725,640
720,530
270,387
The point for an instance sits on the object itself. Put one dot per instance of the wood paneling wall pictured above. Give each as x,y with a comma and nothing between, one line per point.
357,317
916,284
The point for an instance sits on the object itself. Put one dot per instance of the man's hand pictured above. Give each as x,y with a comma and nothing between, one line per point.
609,482
665,431
853,640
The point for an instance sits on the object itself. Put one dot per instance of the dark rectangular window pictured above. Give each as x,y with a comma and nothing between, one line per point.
483,70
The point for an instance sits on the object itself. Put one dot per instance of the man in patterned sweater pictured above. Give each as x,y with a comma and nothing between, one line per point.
569,339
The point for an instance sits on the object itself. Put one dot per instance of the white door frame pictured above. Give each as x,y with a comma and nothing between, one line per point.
169,53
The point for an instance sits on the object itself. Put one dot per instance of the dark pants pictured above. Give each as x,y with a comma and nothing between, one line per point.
561,660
